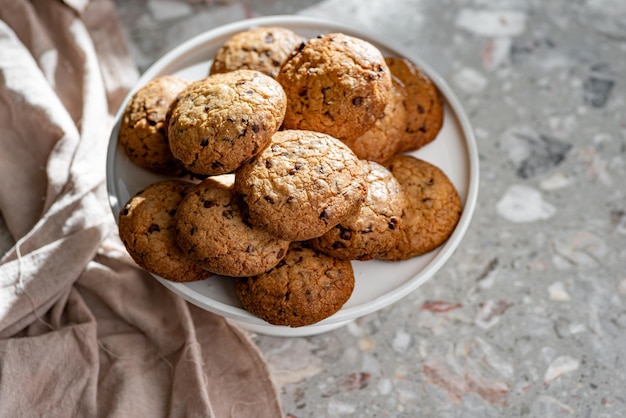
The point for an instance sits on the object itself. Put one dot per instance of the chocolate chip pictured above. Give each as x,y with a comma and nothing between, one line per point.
154,228
345,234
193,230
269,200
280,253
268,163
126,210
204,142
228,214
420,109
338,244
357,101
324,214
208,204
393,223
255,128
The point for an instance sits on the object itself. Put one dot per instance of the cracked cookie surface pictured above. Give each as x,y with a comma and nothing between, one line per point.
336,84
301,185
264,49
433,207
306,287
381,141
375,227
143,127
223,120
146,227
211,229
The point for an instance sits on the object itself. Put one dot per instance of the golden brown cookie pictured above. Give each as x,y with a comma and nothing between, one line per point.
143,127
264,49
381,141
306,287
146,227
210,228
223,120
424,104
433,207
375,228
336,84
301,185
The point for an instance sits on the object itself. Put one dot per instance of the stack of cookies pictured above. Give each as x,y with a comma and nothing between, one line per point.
286,162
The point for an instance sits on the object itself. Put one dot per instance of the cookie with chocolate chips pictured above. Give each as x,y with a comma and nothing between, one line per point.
375,227
432,211
381,141
336,84
301,185
264,49
143,126
223,120
146,227
423,102
306,287
211,230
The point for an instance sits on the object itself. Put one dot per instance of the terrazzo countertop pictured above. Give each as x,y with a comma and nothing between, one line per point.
528,317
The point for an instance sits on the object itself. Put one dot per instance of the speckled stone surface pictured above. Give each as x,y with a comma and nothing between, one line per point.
528,318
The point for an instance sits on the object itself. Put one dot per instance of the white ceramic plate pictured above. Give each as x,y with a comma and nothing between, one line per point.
378,283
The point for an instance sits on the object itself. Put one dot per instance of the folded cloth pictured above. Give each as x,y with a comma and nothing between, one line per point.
83,330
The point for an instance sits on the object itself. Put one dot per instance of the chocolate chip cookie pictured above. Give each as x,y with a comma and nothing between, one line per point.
143,127
433,207
382,140
264,49
336,84
146,227
223,120
424,103
301,185
210,229
306,287
375,228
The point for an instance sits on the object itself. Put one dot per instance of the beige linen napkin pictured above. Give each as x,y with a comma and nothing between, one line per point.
83,331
